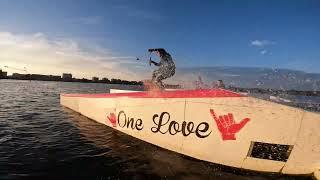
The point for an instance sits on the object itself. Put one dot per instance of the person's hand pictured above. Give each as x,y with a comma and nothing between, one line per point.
227,125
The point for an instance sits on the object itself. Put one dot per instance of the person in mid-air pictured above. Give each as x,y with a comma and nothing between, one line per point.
166,67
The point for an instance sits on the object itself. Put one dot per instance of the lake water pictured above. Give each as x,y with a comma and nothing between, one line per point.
40,139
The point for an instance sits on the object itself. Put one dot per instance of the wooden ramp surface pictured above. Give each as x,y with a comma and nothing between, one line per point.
217,125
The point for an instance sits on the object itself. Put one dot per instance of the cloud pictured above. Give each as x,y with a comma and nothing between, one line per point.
262,43
43,55
263,52
90,20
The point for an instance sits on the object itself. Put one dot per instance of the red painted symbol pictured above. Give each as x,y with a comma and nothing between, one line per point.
113,120
227,125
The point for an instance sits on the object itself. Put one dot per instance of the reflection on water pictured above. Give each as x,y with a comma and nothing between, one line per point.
39,139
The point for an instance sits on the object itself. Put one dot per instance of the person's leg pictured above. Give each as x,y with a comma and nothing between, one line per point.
158,81
156,78
155,74
163,74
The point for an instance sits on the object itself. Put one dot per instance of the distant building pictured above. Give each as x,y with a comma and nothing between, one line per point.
83,80
44,77
19,76
67,77
3,74
54,78
15,75
95,79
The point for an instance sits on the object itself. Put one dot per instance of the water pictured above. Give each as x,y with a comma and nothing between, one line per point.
39,139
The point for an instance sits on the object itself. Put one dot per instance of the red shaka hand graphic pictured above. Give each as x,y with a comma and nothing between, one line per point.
113,120
227,125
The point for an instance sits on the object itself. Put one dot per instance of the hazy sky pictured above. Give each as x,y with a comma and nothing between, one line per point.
103,38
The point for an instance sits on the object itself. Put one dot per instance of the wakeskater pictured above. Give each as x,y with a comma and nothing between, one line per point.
166,68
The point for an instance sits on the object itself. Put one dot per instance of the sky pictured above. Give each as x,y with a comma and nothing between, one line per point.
103,38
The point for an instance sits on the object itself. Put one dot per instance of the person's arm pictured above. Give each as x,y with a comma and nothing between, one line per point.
155,63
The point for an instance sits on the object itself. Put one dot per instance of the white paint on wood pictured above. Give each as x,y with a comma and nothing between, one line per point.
269,123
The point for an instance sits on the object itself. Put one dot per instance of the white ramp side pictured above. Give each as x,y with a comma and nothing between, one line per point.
269,123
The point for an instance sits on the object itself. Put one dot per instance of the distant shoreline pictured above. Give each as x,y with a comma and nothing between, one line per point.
275,91
103,81
268,91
